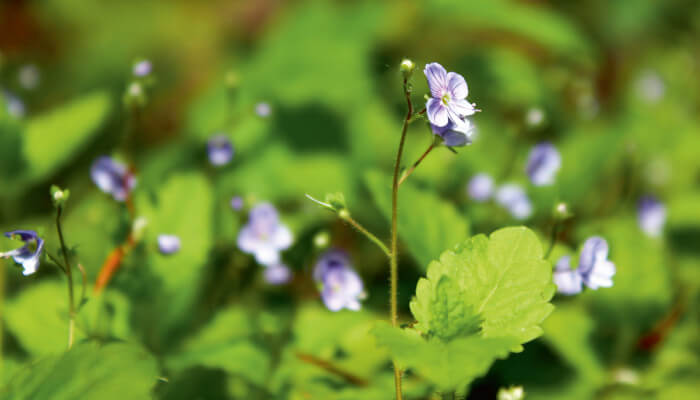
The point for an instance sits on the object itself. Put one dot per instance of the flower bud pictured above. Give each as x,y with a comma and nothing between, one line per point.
59,196
321,240
511,393
336,200
407,66
561,211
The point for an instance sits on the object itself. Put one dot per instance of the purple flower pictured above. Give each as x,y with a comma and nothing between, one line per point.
515,200
448,96
142,68
14,105
168,244
455,134
237,203
27,255
651,215
263,109
340,285
480,187
264,236
568,281
220,150
112,177
543,163
29,76
593,265
277,274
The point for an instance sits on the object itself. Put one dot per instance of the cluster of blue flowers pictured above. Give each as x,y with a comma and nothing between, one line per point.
594,269
542,166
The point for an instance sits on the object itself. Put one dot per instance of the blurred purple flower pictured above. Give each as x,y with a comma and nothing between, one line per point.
651,87
27,255
263,109
568,281
168,244
29,76
237,203
277,274
264,236
220,150
142,68
515,200
13,105
455,134
448,96
480,187
543,163
651,215
112,177
593,265
341,287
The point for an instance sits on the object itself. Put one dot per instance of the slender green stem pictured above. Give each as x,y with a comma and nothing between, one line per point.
2,311
552,239
347,218
409,171
69,275
394,259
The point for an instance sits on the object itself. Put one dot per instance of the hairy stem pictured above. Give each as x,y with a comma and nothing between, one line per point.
552,239
333,369
394,259
347,218
415,164
69,275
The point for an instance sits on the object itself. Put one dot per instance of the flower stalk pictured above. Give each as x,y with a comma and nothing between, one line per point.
394,259
69,275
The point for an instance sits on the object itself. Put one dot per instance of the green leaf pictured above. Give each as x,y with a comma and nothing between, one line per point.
38,317
451,365
224,343
503,280
427,224
569,330
51,139
183,208
88,371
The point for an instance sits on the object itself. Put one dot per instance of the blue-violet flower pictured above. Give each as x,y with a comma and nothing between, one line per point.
543,164
568,281
341,287
515,200
112,177
448,96
220,150
593,265
264,236
651,215
277,274
480,187
28,255
168,244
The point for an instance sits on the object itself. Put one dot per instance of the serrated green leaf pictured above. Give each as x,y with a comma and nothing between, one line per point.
427,224
88,371
450,365
503,280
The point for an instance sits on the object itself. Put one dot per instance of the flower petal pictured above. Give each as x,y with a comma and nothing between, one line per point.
437,79
461,107
457,86
437,112
594,249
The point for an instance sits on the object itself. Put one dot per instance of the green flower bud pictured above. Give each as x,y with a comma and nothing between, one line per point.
407,66
59,196
511,393
322,240
561,211
336,200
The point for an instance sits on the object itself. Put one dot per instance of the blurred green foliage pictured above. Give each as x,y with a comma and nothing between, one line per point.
616,83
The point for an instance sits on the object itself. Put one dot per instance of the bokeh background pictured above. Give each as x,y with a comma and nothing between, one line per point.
613,85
